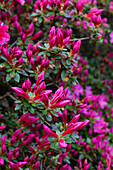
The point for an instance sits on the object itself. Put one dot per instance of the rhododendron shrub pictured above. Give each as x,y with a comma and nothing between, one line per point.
56,90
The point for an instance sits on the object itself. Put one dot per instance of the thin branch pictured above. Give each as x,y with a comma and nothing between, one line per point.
49,84
5,95
12,97
8,95
13,44
43,119
75,39
48,167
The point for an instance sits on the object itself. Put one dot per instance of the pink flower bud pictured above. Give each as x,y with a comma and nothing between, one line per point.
38,140
30,120
7,55
24,117
40,78
76,47
59,4
17,25
1,161
64,115
20,136
36,127
45,99
28,85
32,159
21,164
38,59
30,138
31,149
60,37
29,54
16,150
13,165
36,165
56,95
24,37
49,132
68,147
41,87
44,4
66,41
80,5
39,96
66,91
96,12
29,1
52,42
3,141
36,35
17,132
66,4
74,120
13,139
43,144
30,29
26,159
44,64
64,167
96,20
3,149
52,33
2,127
10,155
75,127
23,143
16,155
60,104
15,52
19,62
33,64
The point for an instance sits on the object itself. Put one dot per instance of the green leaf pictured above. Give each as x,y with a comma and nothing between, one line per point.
49,118
12,74
58,132
63,74
25,111
22,72
17,101
31,109
17,77
33,14
8,77
88,140
75,136
18,106
68,62
69,140
26,131
40,20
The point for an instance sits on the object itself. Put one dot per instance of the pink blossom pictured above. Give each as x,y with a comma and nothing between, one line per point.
4,36
111,36
62,144
1,161
2,127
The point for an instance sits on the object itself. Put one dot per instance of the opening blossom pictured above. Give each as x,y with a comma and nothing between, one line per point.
111,37
4,36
